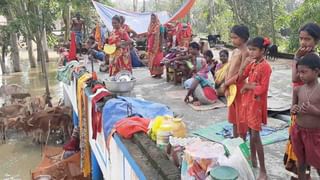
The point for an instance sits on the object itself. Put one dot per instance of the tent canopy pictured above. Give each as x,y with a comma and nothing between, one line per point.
139,22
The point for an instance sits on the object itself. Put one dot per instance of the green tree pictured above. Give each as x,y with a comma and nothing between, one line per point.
307,12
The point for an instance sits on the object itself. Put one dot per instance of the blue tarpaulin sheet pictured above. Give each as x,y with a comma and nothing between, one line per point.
116,109
139,22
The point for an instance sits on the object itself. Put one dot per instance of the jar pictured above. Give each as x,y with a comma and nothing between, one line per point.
178,128
163,134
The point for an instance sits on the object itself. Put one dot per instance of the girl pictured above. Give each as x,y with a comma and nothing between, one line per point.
220,72
239,37
309,36
154,47
254,97
121,58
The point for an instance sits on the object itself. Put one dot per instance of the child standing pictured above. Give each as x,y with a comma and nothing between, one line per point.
309,36
239,37
254,97
305,134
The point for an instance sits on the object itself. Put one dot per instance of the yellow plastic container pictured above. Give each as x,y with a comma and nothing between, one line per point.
178,128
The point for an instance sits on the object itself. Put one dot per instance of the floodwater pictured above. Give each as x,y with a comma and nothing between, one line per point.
19,156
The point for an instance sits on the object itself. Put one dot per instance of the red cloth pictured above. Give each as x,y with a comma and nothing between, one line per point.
255,101
128,126
210,93
73,48
97,115
121,58
306,145
297,84
72,145
235,112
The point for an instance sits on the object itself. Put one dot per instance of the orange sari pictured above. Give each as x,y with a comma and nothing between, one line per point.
154,49
120,60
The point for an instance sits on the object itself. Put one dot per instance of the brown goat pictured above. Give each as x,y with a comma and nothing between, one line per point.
43,122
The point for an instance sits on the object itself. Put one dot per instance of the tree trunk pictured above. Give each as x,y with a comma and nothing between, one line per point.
45,45
30,53
15,52
14,46
39,49
135,5
2,61
66,20
144,6
272,22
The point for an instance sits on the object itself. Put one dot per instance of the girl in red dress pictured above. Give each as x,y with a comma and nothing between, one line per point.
257,71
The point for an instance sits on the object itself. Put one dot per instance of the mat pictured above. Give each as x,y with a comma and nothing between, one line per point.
216,105
213,133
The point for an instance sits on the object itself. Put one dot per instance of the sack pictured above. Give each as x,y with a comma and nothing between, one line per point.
239,158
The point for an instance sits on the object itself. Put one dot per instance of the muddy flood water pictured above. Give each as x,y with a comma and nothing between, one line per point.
18,156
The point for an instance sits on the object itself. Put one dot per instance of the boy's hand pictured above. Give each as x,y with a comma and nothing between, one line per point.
295,109
308,108
303,51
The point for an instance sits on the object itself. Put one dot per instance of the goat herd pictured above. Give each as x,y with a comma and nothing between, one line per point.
30,115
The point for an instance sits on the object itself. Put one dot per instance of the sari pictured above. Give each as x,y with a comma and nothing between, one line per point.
120,59
221,72
155,48
184,35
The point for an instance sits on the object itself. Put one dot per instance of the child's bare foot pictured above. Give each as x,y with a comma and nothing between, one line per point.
254,163
262,176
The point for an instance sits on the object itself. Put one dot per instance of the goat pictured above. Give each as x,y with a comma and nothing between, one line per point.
9,116
272,52
213,40
43,122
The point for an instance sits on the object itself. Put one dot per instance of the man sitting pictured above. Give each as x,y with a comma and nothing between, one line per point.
94,52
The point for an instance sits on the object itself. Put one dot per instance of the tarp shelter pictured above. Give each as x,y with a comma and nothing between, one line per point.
139,22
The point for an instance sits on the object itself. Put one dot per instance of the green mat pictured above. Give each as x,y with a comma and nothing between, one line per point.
211,131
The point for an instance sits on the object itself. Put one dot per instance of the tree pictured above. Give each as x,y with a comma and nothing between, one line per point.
307,12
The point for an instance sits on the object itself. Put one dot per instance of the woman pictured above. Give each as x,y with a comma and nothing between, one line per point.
154,47
200,88
120,59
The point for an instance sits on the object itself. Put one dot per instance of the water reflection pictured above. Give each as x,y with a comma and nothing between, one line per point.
19,155
33,80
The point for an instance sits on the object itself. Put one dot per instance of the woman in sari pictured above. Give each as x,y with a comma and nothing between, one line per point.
120,59
155,47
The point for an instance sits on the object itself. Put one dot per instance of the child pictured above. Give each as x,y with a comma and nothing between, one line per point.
220,72
309,36
305,133
239,37
212,63
257,70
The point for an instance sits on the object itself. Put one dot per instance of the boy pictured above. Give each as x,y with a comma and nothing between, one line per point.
305,133
239,37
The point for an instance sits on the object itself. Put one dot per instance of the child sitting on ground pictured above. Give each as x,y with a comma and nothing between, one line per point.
305,134
257,71
220,72
212,63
